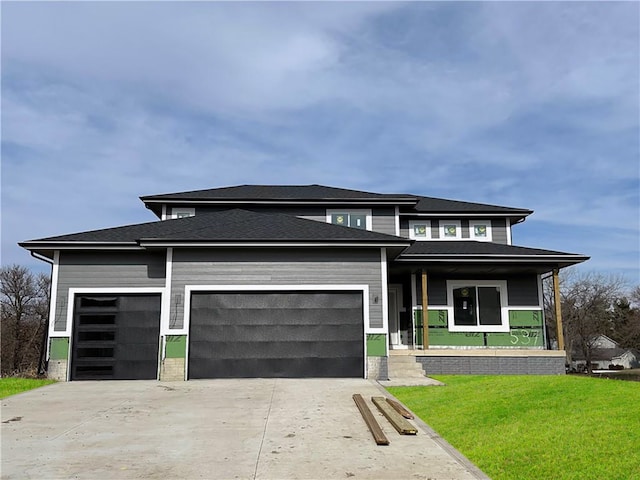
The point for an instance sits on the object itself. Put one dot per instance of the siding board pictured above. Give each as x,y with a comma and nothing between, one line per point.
105,269
275,267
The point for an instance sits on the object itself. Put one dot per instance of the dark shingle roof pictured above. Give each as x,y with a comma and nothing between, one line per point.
227,226
441,205
441,247
280,192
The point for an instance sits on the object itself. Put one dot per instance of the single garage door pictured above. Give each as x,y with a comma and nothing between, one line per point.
115,337
276,334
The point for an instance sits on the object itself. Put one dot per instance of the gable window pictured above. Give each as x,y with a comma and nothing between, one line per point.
183,212
480,230
350,218
478,306
450,230
420,230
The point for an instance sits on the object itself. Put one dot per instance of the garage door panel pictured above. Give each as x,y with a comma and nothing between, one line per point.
116,337
239,350
280,316
270,300
276,334
273,368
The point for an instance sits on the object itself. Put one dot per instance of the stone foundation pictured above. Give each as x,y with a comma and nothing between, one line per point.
172,370
486,365
377,368
57,370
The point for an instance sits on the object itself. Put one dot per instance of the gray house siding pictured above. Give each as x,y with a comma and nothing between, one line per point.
384,220
310,213
276,267
499,231
522,290
105,270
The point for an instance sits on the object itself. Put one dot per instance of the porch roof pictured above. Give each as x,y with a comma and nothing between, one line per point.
463,256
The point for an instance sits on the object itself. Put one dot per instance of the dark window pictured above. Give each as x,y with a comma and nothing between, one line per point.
97,336
352,220
97,319
477,306
95,352
101,302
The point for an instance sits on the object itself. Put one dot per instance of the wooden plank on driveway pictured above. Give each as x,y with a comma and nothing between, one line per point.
369,419
398,421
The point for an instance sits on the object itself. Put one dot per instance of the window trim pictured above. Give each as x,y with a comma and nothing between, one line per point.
458,225
351,211
188,210
504,306
474,223
413,223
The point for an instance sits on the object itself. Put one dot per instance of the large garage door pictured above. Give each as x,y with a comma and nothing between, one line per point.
276,334
115,337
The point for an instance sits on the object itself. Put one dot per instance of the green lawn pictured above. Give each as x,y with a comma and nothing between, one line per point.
536,427
11,385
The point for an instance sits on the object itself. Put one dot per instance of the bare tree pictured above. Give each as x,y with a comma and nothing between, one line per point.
587,303
24,302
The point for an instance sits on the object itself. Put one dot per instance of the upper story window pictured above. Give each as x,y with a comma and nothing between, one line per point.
480,230
420,229
450,230
183,212
478,306
350,218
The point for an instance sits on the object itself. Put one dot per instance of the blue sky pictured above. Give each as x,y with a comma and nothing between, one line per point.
532,105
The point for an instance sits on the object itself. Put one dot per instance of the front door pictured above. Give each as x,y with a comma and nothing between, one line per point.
397,338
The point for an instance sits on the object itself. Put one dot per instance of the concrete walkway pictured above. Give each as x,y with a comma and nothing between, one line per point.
213,429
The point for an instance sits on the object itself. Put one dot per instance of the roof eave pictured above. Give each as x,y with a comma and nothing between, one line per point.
152,242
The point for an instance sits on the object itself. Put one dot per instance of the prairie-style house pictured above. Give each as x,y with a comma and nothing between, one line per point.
299,281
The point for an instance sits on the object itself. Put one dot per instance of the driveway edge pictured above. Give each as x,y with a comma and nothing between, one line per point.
446,446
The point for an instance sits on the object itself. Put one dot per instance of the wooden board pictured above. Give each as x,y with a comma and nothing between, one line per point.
369,419
400,409
398,421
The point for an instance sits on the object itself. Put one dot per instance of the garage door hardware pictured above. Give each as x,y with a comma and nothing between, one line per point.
400,409
398,421
372,423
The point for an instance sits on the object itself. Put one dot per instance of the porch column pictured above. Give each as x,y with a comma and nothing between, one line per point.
557,301
425,312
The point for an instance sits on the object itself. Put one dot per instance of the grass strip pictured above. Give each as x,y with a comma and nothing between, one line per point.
13,385
536,427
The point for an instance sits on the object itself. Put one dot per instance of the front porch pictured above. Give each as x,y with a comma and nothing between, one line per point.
484,361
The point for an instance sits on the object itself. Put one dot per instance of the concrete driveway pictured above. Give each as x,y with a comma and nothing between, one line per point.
213,429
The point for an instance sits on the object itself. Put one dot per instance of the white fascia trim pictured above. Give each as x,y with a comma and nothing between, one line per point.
363,211
385,290
84,246
73,291
524,309
275,245
504,308
287,202
481,258
55,268
397,220
459,215
166,297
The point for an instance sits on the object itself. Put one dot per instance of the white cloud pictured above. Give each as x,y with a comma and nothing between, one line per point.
525,104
